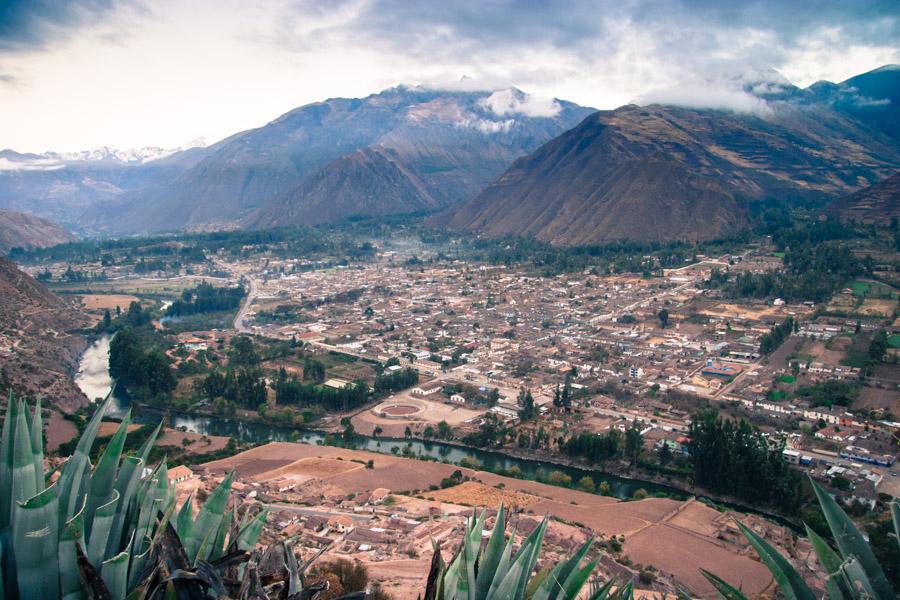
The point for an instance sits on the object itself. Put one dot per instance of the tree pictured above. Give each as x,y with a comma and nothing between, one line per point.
633,442
586,484
878,346
664,454
407,432
664,318
639,494
527,410
604,489
107,320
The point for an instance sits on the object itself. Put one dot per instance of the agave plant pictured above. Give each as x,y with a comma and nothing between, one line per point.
853,572
102,530
492,571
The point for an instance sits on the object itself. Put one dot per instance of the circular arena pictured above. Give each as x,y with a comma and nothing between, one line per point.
406,409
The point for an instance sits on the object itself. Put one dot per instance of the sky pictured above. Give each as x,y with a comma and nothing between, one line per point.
80,74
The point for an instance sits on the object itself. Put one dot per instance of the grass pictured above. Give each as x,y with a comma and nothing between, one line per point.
872,289
787,379
894,340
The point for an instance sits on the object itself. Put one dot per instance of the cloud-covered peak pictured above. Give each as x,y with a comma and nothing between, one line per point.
512,101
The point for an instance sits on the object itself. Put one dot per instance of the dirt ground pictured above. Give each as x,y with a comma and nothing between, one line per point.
678,537
58,430
876,307
875,398
101,302
472,493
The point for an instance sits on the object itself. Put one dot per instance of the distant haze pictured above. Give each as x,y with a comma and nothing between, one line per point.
131,74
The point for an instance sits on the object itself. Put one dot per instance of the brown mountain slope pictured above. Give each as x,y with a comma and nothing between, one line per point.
659,173
20,230
38,352
878,203
367,182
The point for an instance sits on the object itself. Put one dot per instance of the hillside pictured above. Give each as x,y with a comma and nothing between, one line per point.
364,183
20,230
38,352
657,173
878,203
447,145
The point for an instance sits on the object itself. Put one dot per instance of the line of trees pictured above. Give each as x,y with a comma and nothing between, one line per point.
291,391
206,298
246,386
732,458
770,342
392,381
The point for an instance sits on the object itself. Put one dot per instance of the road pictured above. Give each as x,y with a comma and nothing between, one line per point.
242,313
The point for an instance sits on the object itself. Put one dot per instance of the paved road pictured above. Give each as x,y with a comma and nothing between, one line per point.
239,319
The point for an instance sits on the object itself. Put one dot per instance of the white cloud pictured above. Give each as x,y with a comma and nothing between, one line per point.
514,102
486,126
39,164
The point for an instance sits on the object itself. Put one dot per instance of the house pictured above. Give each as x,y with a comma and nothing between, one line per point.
179,474
379,495
458,399
341,523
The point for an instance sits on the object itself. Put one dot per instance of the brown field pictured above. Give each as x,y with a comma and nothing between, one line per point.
199,444
471,493
107,301
877,307
677,537
59,430
683,553
875,398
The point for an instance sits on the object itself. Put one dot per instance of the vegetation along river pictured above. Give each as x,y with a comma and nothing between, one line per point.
94,380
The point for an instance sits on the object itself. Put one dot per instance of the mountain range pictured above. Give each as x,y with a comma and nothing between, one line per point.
498,162
658,173
403,150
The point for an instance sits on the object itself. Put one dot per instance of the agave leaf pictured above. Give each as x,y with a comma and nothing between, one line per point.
210,516
103,479
860,584
792,585
99,531
626,592
7,441
503,565
249,535
602,591
37,445
490,557
828,558
726,591
24,480
576,580
69,574
851,543
435,572
895,515
115,574
219,547
185,518
537,539
126,485
553,583
74,469
2,584
35,542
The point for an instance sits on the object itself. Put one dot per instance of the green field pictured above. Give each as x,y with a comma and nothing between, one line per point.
894,341
873,289
787,379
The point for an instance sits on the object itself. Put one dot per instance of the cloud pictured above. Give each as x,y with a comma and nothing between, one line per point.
37,164
515,102
707,95
135,76
33,24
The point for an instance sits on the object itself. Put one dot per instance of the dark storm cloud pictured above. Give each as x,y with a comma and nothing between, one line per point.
34,24
446,29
